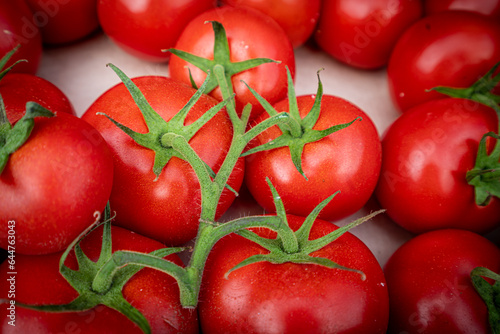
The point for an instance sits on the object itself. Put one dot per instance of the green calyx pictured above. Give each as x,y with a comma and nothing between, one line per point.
13,137
5,59
489,293
221,59
480,91
101,282
297,131
295,247
485,176
161,134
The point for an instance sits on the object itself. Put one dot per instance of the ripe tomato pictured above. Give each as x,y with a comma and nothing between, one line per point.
427,152
298,17
486,7
153,293
290,297
347,160
18,88
146,27
53,184
251,35
64,21
16,28
430,287
362,33
452,48
167,209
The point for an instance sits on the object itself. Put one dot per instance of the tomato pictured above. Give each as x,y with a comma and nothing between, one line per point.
429,283
251,35
166,209
437,51
347,160
298,17
289,297
362,33
486,7
16,28
144,28
18,88
53,184
153,293
427,153
64,21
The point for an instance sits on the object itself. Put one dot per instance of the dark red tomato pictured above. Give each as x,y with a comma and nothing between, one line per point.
453,48
429,283
293,298
38,281
362,33
64,21
486,7
427,152
347,160
146,27
18,88
167,209
53,184
298,17
17,28
251,34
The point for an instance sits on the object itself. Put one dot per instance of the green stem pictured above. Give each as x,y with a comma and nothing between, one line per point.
189,278
105,275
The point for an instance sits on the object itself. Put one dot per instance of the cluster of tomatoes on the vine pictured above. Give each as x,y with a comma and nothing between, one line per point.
150,152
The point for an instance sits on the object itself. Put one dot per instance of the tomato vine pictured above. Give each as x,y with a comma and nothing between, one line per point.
103,280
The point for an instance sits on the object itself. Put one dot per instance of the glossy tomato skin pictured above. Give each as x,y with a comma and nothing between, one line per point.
64,21
348,160
54,183
17,28
298,17
427,152
293,298
251,34
362,33
18,88
146,27
429,283
486,7
452,48
167,209
153,293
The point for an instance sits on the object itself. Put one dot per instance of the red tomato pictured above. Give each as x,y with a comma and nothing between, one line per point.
298,17
153,293
293,298
486,7
429,283
347,160
362,33
64,21
18,88
251,35
453,49
167,209
146,27
53,184
427,152
17,28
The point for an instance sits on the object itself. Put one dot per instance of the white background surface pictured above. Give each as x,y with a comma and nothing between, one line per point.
80,71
